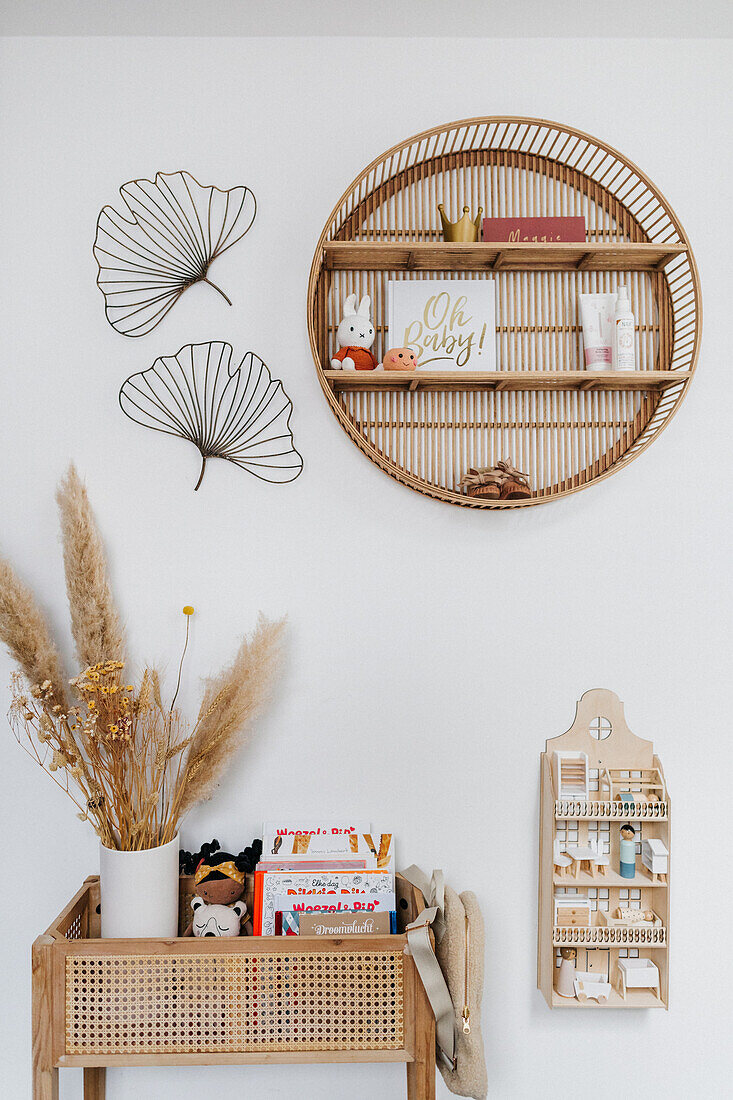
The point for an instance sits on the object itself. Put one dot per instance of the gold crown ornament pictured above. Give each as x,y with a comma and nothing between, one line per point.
464,230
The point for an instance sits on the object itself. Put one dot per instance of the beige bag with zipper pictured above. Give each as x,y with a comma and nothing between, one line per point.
454,981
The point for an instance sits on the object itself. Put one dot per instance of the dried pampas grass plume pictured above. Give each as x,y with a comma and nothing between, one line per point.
95,623
25,632
129,762
232,700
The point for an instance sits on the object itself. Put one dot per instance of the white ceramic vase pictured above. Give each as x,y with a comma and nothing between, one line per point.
139,892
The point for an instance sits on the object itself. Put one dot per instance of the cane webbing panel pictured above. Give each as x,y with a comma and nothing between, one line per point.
179,1004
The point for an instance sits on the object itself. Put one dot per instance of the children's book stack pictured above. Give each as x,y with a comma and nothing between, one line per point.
320,878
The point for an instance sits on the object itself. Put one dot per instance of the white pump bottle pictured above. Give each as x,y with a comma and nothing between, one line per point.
623,347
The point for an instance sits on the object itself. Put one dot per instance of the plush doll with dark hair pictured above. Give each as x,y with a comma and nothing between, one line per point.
219,880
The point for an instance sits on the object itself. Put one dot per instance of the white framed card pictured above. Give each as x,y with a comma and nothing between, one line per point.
450,322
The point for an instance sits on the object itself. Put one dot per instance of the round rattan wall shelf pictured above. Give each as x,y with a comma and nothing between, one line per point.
565,426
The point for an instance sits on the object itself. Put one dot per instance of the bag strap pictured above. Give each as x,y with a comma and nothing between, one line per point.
433,890
428,967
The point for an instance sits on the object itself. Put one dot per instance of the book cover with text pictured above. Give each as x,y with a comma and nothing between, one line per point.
341,883
450,323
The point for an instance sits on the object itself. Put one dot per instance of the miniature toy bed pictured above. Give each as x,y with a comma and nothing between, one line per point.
633,788
631,918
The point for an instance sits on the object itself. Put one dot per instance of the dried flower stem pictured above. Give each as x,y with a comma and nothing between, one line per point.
95,623
128,762
24,630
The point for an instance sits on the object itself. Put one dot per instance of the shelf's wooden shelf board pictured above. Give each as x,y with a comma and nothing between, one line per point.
504,380
441,256
257,1058
610,879
635,998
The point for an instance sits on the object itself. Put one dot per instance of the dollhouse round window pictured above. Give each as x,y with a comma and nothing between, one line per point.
600,728
501,375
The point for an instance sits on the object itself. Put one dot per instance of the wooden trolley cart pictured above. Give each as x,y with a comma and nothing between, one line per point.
244,1001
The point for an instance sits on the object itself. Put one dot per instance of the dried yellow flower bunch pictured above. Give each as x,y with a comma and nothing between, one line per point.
118,753
131,764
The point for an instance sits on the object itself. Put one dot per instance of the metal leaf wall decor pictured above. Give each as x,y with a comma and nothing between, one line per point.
175,231
239,413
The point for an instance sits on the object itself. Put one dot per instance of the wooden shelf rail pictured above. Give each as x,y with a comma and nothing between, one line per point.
614,811
599,936
486,256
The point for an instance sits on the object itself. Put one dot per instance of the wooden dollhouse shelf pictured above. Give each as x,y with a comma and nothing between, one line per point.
600,924
341,380
610,811
440,256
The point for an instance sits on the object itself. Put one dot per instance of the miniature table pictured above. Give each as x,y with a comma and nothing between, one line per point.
580,856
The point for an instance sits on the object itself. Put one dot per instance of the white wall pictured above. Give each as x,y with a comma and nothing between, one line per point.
432,649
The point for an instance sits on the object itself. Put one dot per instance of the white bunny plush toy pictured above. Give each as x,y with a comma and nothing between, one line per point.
355,336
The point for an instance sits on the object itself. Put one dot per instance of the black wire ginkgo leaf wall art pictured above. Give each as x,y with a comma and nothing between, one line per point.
239,413
175,230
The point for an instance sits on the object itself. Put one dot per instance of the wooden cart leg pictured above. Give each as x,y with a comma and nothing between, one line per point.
94,1082
421,1072
45,1074
45,1083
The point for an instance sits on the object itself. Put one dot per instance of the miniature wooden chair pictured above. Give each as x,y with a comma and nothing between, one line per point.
600,860
562,862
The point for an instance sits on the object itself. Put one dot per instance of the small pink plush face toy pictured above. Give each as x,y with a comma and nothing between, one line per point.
400,359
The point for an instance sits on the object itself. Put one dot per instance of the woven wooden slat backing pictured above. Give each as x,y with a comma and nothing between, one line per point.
511,167
152,1004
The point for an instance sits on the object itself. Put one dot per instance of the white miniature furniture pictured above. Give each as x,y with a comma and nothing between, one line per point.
573,911
572,777
599,860
638,974
560,861
581,856
590,986
655,858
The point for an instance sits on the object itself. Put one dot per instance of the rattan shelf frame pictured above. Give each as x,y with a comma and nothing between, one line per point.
230,1001
565,433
